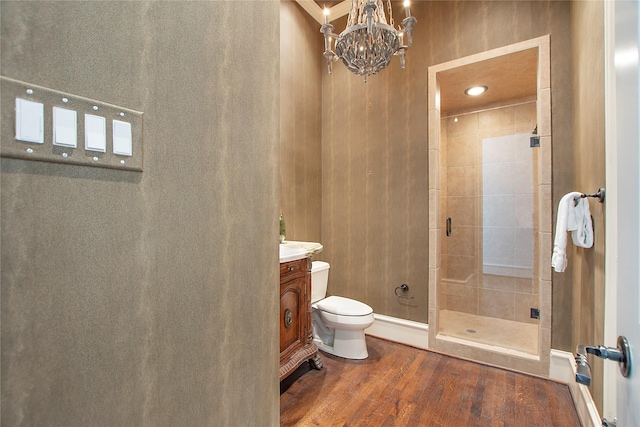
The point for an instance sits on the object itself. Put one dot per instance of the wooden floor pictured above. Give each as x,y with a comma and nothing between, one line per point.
403,386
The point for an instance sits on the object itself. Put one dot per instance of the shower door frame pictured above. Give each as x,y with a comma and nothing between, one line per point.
535,364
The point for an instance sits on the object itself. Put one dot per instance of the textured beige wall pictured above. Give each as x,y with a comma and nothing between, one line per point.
300,106
133,299
374,194
587,22
374,151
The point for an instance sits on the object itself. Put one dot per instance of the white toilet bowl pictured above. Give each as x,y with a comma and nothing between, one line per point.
338,322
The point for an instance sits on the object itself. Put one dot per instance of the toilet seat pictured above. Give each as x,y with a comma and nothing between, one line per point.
343,306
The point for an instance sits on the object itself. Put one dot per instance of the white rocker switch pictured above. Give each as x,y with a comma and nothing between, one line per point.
95,133
122,141
65,127
29,121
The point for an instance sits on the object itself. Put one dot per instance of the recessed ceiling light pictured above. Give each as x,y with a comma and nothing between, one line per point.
476,90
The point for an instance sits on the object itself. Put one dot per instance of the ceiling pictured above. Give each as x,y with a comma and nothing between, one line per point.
508,77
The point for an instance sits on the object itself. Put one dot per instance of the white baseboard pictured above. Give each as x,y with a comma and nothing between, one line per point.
562,368
403,331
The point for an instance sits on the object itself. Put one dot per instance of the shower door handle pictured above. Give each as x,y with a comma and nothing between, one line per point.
448,226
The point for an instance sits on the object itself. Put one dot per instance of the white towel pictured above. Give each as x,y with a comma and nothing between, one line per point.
575,218
582,230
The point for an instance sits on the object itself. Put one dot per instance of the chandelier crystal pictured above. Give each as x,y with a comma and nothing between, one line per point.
368,43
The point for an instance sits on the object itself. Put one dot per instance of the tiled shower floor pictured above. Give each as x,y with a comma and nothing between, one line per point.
489,330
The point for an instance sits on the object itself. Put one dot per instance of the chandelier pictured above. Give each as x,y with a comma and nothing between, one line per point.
368,43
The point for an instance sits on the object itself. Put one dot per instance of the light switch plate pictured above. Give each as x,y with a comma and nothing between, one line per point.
52,138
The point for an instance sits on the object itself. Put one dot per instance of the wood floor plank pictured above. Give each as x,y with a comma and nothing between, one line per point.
526,399
492,402
409,391
404,386
366,412
431,397
478,397
509,403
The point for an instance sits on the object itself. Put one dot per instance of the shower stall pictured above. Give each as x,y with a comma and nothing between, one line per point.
487,292
490,215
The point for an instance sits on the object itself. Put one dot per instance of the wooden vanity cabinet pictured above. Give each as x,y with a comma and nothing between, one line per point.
296,335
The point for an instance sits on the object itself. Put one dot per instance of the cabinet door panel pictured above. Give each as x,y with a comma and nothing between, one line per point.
291,325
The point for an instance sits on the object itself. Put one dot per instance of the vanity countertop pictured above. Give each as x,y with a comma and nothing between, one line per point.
293,250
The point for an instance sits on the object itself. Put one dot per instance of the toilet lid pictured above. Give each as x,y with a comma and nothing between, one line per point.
344,306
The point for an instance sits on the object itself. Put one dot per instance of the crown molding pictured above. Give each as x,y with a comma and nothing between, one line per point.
338,11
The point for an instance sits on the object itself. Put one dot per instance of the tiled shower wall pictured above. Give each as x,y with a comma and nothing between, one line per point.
464,286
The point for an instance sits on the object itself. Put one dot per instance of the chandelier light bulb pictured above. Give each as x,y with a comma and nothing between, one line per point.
406,5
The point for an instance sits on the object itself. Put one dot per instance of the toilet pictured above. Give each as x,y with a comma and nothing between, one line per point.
338,322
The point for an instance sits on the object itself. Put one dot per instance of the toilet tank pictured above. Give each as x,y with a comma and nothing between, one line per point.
319,280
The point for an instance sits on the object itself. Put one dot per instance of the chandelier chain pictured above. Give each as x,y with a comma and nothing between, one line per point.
353,14
390,13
